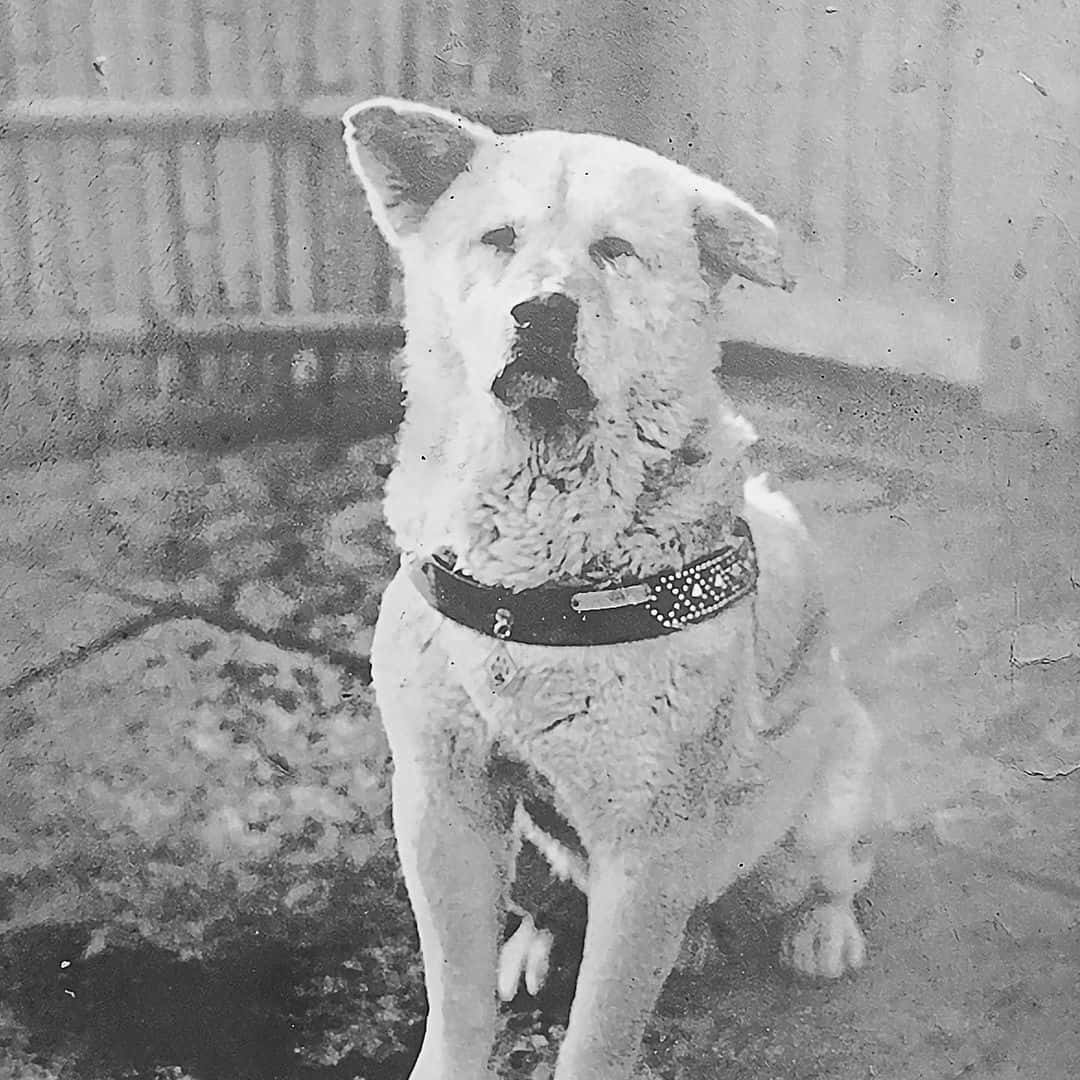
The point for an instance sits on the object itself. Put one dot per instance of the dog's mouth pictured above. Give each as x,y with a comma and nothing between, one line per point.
544,400
541,385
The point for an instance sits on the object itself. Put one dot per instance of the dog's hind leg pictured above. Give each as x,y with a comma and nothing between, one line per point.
821,860
637,912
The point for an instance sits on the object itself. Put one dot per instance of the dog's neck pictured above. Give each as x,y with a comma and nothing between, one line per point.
604,504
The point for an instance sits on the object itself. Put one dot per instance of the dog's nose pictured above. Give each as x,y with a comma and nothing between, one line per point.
554,313
543,368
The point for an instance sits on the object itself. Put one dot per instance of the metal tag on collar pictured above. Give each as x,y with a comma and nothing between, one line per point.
502,672
502,623
606,599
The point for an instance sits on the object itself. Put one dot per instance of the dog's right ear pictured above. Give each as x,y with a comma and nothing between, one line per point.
406,156
733,238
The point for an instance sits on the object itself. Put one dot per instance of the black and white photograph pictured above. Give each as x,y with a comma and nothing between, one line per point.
539,540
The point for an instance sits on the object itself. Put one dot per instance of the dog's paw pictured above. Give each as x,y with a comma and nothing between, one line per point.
527,953
826,942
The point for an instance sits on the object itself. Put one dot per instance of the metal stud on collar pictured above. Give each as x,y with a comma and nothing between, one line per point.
503,624
702,590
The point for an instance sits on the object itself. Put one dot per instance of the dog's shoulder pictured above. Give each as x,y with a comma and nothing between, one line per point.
779,533
789,604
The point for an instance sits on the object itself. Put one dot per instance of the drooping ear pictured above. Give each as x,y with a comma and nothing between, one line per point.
406,156
733,238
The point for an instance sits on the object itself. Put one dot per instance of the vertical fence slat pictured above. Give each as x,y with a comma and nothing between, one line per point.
456,52
126,223
316,163
50,265
780,103
854,219
12,262
80,184
298,227
105,375
70,74
946,112
169,288
86,196
7,54
181,24
828,133
911,136
290,49
21,267
200,221
109,28
160,263
29,49
364,74
509,49
429,39
738,145
331,42
150,49
262,205
807,152
390,46
228,49
193,202
279,226
21,380
410,29
263,68
233,159
868,147
763,27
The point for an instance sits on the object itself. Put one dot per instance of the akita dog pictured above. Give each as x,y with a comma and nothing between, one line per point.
591,586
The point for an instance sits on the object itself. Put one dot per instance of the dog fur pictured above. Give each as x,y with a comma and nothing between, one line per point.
683,761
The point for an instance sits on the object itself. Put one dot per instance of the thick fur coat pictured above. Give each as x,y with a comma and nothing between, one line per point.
681,761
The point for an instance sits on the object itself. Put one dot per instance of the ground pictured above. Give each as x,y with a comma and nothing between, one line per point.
954,566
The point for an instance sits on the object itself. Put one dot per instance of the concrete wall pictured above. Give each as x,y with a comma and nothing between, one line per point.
921,156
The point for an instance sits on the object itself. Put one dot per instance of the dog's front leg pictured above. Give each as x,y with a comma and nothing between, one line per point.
638,910
454,860
454,841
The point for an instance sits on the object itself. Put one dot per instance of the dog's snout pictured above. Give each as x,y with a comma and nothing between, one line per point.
545,332
543,366
554,312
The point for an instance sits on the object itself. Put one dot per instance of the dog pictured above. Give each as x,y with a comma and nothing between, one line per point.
597,600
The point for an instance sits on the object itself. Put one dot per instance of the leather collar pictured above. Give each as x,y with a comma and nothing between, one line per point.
569,615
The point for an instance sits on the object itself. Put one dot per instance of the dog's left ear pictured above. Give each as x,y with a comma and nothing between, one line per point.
733,238
407,155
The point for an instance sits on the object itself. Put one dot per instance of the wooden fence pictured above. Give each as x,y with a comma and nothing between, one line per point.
182,250
184,254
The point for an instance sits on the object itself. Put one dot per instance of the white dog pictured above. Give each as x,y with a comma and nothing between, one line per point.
590,589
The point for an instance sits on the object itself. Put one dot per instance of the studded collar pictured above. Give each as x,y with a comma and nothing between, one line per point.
569,615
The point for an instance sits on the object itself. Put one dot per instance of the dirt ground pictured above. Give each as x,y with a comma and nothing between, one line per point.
955,576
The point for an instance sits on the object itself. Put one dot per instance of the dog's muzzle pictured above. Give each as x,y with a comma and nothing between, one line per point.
542,382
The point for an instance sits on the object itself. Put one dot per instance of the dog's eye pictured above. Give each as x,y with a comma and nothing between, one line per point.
502,239
610,248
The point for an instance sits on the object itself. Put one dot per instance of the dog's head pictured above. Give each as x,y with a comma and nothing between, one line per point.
562,281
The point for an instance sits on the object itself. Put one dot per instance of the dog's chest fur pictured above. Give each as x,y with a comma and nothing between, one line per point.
596,508
668,728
